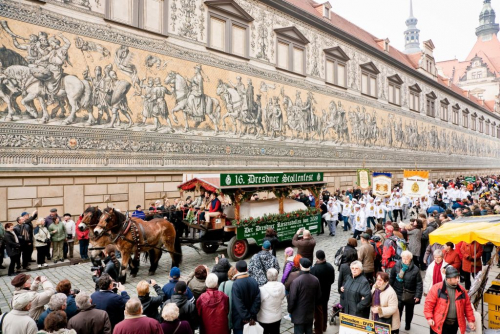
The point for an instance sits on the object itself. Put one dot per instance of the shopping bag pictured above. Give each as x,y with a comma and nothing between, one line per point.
256,329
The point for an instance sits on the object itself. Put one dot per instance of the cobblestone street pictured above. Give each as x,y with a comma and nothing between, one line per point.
80,276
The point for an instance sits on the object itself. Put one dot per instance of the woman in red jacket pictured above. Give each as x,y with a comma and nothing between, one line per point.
451,256
442,318
471,261
82,234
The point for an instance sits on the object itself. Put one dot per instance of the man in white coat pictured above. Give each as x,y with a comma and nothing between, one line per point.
380,210
359,220
346,212
397,207
332,217
353,214
370,212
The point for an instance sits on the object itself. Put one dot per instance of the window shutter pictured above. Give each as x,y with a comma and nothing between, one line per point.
153,10
364,84
239,41
398,96
217,33
298,60
283,55
373,86
341,75
391,94
122,11
330,74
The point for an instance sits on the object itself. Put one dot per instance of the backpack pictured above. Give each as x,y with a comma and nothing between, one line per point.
378,246
338,256
399,245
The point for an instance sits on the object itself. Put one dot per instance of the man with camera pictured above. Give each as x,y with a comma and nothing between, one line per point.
108,300
24,230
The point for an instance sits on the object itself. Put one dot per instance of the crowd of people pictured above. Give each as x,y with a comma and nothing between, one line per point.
386,268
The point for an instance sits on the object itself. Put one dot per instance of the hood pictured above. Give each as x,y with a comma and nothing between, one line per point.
290,258
273,289
215,297
179,300
222,266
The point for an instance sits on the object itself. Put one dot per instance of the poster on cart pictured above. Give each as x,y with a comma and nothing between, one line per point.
416,183
381,184
350,324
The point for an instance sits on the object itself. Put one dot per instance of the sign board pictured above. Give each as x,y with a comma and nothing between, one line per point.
285,229
355,325
364,178
381,184
416,183
262,179
470,178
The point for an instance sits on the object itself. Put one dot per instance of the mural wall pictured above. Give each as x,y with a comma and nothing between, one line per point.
59,78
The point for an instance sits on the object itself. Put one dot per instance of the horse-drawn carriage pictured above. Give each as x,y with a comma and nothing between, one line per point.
244,221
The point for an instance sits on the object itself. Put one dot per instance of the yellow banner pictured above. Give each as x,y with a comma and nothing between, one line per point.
416,183
350,324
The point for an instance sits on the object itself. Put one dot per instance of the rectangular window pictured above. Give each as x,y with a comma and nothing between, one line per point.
122,11
364,84
473,123
283,55
369,84
465,120
444,112
414,101
373,86
391,93
217,33
431,107
479,75
473,75
152,15
487,129
481,126
498,132
455,116
394,94
330,71
298,60
239,41
341,75
335,72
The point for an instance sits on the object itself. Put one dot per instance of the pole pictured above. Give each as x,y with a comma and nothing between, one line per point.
475,243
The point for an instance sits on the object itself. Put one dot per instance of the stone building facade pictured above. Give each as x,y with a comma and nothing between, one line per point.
110,101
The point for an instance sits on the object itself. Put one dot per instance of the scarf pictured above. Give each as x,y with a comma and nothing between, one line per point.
376,298
437,277
404,268
15,236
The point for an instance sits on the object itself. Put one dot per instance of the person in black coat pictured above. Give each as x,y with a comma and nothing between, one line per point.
111,264
325,273
356,293
150,304
24,231
13,247
324,209
349,252
405,275
272,237
187,309
305,294
245,297
107,300
221,268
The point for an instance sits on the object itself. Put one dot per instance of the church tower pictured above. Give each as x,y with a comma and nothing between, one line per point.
412,33
487,26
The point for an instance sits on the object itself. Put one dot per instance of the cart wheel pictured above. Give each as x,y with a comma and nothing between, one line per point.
237,249
209,247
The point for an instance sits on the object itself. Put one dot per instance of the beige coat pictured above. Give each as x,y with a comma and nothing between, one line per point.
389,305
41,298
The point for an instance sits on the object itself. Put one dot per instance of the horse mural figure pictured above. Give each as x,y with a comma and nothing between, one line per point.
90,219
192,105
248,119
133,236
295,118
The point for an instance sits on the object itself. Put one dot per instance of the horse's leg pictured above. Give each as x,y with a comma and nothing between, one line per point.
8,100
210,113
27,103
45,112
186,125
90,111
74,108
154,255
125,261
114,114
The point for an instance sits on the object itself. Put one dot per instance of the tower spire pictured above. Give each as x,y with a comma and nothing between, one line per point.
487,25
412,34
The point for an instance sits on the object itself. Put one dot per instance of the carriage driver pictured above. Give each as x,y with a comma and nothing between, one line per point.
214,209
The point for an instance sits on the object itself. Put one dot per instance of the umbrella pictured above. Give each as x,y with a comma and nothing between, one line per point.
457,232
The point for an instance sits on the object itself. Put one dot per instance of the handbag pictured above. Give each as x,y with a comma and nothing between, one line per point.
338,257
408,296
255,329
69,236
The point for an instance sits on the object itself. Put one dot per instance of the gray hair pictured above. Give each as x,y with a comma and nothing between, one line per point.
170,312
272,275
407,253
57,301
357,264
133,306
211,281
438,252
83,300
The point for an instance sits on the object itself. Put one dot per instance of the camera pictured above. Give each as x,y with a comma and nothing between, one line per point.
115,285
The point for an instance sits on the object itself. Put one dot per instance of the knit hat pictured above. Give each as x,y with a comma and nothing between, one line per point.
451,272
20,301
320,255
305,264
19,280
266,245
175,272
289,251
241,266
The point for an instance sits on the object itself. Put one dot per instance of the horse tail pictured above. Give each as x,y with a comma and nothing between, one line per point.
178,250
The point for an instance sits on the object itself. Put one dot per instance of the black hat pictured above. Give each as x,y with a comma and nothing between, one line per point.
67,214
320,255
180,287
241,266
53,210
451,272
139,206
365,236
305,263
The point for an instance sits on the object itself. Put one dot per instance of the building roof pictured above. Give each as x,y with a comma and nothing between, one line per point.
410,60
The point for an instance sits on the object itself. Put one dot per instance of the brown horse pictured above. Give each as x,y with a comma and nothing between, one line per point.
89,221
133,236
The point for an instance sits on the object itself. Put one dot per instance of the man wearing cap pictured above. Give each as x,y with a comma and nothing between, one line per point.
24,230
168,289
261,263
359,220
58,236
326,275
305,294
245,298
22,284
19,321
447,306
305,245
187,309
49,220
69,242
139,213
366,254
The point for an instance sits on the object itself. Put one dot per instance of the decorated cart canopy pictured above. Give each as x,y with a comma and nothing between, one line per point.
482,229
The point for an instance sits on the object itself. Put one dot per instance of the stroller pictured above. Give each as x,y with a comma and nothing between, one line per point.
337,308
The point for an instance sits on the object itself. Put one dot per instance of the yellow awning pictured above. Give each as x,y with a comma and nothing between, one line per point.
490,234
456,232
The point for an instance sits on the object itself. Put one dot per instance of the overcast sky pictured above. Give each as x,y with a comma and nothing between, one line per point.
450,24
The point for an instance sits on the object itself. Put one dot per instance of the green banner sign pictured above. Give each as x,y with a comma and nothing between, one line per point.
285,229
259,179
470,178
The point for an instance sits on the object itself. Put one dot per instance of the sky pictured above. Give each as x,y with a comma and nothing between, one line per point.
451,24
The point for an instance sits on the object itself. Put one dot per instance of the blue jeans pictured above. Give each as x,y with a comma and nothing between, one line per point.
370,219
84,248
347,226
332,225
303,328
238,331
